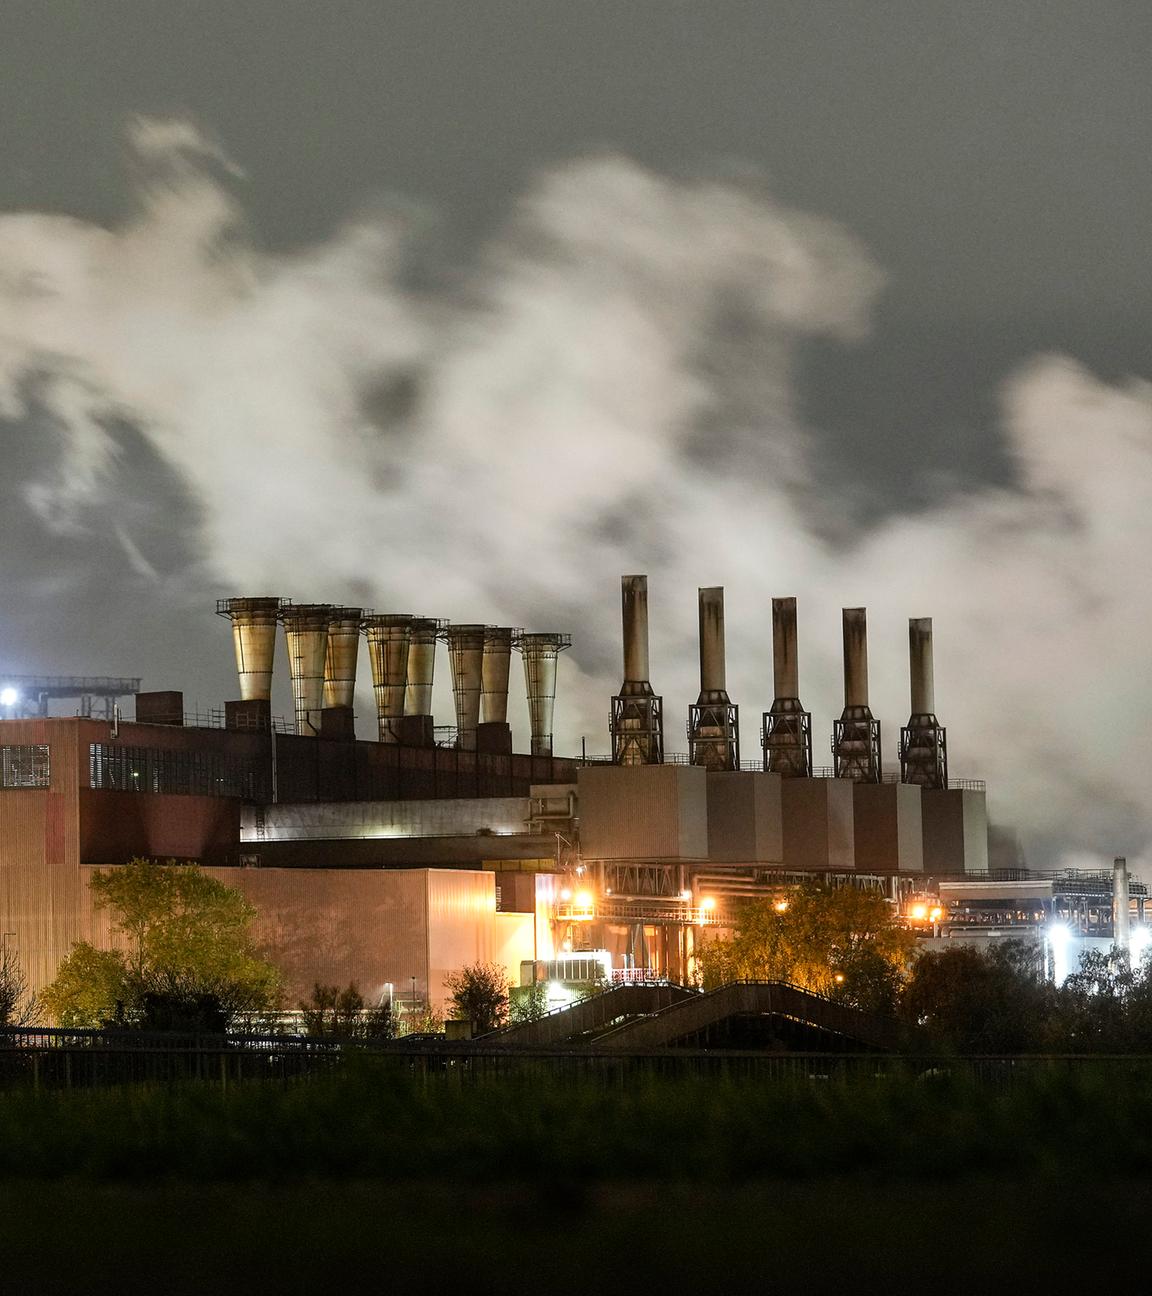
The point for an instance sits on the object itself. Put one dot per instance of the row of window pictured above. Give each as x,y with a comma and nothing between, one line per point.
180,773
25,766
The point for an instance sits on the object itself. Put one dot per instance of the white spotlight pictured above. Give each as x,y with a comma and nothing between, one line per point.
8,696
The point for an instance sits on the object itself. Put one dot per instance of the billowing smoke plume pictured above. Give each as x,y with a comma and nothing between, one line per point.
608,389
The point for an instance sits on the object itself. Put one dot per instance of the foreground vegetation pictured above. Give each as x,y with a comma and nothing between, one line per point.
374,1121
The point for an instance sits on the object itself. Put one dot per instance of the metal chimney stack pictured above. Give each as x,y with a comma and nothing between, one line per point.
1121,905
541,653
340,660
306,632
637,719
787,728
713,723
254,638
856,735
421,666
923,744
388,647
494,674
466,655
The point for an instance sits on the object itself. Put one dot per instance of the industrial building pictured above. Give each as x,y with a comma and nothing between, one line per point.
389,861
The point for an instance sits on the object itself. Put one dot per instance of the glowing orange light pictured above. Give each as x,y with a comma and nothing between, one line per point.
918,912
584,899
709,902
936,914
839,978
781,906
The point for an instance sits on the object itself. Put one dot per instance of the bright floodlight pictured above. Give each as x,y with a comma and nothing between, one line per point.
9,696
1138,941
1059,934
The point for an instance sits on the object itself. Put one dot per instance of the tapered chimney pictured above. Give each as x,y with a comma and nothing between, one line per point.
541,653
637,719
388,646
254,638
713,723
340,661
787,729
856,736
421,666
466,656
306,633
923,743
494,674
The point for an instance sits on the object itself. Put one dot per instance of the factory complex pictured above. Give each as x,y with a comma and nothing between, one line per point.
393,861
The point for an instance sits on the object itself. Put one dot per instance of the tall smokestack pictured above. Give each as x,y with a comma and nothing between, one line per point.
1121,905
466,655
713,723
306,633
388,646
787,729
856,736
254,638
421,666
540,653
494,674
341,657
637,719
923,743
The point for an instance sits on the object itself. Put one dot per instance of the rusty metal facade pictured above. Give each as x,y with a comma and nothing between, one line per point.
306,634
254,639
786,732
713,722
541,652
636,722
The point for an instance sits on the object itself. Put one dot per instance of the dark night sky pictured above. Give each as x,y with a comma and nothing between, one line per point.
992,158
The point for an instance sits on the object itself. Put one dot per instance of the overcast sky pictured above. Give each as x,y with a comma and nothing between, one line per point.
967,188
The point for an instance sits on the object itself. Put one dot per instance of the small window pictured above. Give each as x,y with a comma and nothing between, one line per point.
25,766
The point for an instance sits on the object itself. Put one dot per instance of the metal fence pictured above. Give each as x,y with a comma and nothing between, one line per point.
44,1059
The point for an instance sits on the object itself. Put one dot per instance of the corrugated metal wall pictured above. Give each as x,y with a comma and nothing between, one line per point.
338,820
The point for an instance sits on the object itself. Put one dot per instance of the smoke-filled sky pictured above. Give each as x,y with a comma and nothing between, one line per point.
468,309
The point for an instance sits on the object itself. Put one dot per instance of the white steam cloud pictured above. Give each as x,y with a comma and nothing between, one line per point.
609,390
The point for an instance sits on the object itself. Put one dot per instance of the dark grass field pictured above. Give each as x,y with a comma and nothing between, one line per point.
938,1184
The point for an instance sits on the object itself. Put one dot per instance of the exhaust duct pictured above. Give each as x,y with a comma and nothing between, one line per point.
923,743
466,656
856,735
254,639
541,653
637,719
421,666
494,674
306,633
341,657
713,723
1121,905
787,727
388,637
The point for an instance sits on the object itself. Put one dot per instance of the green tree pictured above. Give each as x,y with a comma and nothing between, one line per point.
332,1011
18,1006
837,941
480,995
191,959
528,1003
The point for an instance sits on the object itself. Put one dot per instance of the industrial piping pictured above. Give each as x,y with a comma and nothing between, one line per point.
713,722
787,727
637,717
856,736
541,653
341,658
306,633
923,742
494,674
388,648
466,655
254,639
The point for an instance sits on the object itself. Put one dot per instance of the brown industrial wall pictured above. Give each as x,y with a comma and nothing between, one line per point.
955,831
818,824
643,812
745,818
115,826
889,828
